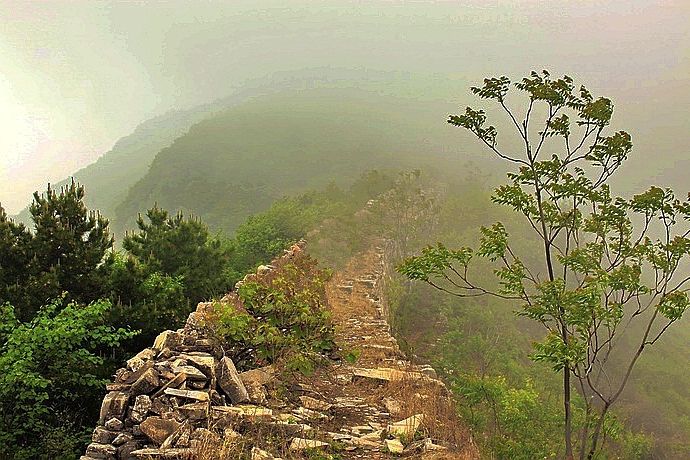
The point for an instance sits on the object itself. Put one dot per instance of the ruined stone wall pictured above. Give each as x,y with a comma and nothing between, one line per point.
161,404
183,398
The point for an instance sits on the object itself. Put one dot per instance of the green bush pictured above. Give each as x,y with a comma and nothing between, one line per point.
282,315
51,374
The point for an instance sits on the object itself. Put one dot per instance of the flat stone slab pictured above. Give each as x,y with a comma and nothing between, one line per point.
188,394
167,454
303,444
406,428
386,374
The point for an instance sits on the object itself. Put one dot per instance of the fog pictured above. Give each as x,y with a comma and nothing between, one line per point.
76,76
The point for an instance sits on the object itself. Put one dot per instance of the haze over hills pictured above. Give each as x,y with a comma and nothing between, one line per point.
237,162
109,178
272,137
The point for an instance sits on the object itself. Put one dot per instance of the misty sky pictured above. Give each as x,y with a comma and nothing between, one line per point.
75,75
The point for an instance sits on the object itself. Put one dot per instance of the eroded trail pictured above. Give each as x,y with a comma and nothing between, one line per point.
381,404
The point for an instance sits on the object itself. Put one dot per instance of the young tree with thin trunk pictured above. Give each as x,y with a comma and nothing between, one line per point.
606,262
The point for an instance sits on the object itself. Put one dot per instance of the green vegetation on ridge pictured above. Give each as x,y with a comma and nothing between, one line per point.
72,309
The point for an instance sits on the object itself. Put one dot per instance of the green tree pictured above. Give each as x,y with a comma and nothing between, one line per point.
51,377
63,254
146,301
180,248
609,262
14,257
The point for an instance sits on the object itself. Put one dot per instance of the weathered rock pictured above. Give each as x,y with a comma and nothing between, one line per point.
245,411
166,454
363,442
117,387
124,452
101,451
188,394
424,445
406,428
148,382
196,385
167,339
174,383
192,372
141,358
204,362
103,436
158,429
142,406
114,424
394,446
114,405
261,376
121,439
142,403
257,393
302,444
194,411
160,405
385,374
308,413
314,404
229,381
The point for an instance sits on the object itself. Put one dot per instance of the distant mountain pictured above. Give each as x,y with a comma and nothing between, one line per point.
273,136
108,180
239,160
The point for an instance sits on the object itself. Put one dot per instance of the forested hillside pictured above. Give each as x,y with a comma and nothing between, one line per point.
238,161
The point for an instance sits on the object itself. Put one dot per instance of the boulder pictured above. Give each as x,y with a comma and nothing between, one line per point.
194,411
158,429
257,393
114,424
204,362
192,372
103,436
124,452
142,406
121,439
167,339
101,451
114,405
141,358
261,376
229,381
148,382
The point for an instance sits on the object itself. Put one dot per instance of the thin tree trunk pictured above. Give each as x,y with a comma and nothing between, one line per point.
568,430
597,432
568,416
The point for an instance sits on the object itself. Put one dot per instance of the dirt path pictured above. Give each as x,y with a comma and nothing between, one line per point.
381,404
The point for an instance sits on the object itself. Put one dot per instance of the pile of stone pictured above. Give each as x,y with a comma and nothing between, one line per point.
174,396
180,393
